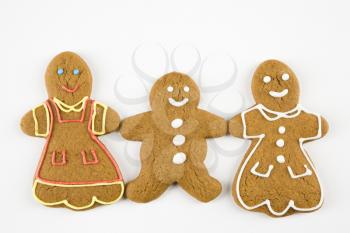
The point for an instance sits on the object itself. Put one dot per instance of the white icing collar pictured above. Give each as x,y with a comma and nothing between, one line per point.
289,114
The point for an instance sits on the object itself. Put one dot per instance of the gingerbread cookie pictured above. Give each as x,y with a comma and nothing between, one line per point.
276,175
75,170
173,139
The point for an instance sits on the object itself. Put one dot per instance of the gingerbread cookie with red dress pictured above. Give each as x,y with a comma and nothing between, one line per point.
75,170
174,146
276,175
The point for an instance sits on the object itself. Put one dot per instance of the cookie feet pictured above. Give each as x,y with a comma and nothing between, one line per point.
145,188
77,197
197,182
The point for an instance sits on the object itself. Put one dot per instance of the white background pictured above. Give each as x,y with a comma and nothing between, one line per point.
311,36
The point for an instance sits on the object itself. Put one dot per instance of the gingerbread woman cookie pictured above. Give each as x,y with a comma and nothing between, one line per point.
276,175
75,170
173,139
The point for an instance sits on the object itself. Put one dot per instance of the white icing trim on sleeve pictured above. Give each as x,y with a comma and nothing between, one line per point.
267,202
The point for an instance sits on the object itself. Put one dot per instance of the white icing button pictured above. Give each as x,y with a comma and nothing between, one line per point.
177,123
186,89
178,140
280,142
179,158
281,129
280,159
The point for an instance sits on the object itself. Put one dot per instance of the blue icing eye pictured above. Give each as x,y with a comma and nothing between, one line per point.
60,71
76,72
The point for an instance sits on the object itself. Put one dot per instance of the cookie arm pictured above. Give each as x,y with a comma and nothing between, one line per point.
36,122
104,119
214,126
135,128
324,126
235,126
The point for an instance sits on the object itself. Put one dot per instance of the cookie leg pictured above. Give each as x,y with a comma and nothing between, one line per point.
145,188
197,182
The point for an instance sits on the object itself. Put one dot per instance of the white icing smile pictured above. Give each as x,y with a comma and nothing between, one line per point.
178,103
277,94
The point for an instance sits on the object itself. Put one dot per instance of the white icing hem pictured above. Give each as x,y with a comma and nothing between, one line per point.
266,202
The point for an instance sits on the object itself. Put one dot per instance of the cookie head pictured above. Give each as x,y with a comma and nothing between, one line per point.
174,90
275,86
68,78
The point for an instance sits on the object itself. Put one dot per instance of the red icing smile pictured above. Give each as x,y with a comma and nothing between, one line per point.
70,90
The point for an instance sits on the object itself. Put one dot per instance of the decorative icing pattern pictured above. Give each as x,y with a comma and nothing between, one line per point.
264,175
175,103
66,203
36,125
178,140
179,158
69,108
307,172
277,94
85,161
54,161
280,143
290,114
280,159
176,123
281,130
103,127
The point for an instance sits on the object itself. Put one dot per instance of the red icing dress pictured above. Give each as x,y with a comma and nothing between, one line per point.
75,168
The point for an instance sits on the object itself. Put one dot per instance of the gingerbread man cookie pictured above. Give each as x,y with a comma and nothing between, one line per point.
276,175
75,170
173,139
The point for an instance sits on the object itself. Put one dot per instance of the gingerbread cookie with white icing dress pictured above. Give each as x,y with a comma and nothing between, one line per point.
276,175
75,170
174,143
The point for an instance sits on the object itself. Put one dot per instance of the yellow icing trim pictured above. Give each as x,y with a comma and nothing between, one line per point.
66,203
36,124
103,131
68,108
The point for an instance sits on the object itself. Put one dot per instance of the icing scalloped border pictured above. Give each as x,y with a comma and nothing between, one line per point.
66,202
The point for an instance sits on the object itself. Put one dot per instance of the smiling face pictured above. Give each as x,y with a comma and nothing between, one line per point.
275,86
174,91
68,78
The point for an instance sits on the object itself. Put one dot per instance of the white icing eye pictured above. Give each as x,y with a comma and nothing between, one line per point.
267,79
285,77
170,89
186,89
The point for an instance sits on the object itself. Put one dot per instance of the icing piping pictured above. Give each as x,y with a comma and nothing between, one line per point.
36,125
58,107
68,108
85,161
279,94
53,159
178,103
94,199
67,89
307,172
264,175
37,176
291,204
103,130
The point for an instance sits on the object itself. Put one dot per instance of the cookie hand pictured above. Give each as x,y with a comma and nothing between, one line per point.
235,126
112,120
27,124
136,127
325,126
214,126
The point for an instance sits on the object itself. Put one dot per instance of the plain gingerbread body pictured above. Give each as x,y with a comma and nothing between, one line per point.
173,139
